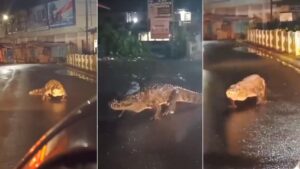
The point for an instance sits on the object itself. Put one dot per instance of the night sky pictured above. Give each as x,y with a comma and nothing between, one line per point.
11,5
138,5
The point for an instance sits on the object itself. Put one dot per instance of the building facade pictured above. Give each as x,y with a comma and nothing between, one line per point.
229,19
58,21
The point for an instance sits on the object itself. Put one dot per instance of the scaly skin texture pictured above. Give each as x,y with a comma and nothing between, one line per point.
53,88
156,96
251,86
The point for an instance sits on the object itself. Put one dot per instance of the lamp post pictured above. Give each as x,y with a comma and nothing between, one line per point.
5,19
86,26
271,10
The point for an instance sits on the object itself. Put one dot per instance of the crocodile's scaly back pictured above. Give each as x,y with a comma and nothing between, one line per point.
154,97
188,96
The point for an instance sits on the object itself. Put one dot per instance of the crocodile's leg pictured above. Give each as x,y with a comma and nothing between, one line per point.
233,105
172,103
261,98
64,98
157,115
46,97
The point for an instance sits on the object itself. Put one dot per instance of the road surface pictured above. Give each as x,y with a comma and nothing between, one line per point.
250,137
24,118
136,142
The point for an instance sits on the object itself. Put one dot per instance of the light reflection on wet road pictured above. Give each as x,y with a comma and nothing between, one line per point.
23,118
260,137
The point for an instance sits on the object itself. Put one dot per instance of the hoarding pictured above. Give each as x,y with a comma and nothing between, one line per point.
160,13
38,19
160,9
286,17
61,13
160,28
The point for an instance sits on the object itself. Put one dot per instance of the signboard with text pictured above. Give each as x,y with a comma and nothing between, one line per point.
160,14
160,8
160,28
61,13
286,17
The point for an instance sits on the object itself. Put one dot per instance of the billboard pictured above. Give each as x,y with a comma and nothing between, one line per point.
38,19
160,9
160,14
160,28
286,17
61,13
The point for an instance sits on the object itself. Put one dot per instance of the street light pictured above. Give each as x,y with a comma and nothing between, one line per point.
135,19
5,17
185,16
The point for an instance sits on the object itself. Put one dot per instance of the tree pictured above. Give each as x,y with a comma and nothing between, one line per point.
121,42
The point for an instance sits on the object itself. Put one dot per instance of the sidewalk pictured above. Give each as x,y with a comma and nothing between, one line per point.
283,58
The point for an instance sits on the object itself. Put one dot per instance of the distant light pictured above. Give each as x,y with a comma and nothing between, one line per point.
182,11
5,17
135,20
185,16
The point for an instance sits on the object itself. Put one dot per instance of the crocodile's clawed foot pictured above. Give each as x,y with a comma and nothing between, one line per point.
168,112
155,118
232,106
262,102
63,99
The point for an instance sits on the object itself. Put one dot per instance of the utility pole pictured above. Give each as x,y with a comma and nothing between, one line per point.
86,26
271,10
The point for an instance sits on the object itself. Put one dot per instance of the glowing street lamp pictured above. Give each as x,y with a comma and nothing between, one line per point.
135,20
185,16
5,17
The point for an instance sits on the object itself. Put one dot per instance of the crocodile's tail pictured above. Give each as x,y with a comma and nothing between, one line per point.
189,96
37,92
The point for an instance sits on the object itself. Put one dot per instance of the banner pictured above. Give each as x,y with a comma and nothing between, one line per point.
160,14
38,19
160,9
160,28
61,13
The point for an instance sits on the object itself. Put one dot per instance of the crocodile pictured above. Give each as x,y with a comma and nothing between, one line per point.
154,98
52,89
251,86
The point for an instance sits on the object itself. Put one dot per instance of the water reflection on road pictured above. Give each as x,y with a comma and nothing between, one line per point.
236,128
252,136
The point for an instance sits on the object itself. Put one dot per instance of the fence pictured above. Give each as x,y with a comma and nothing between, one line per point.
280,40
84,62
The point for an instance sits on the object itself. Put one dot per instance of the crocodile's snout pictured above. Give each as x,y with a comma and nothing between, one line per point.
114,104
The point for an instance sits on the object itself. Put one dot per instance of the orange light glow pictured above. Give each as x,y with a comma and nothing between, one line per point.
37,159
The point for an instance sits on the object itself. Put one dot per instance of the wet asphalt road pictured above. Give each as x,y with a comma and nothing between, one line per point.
256,137
23,118
136,142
